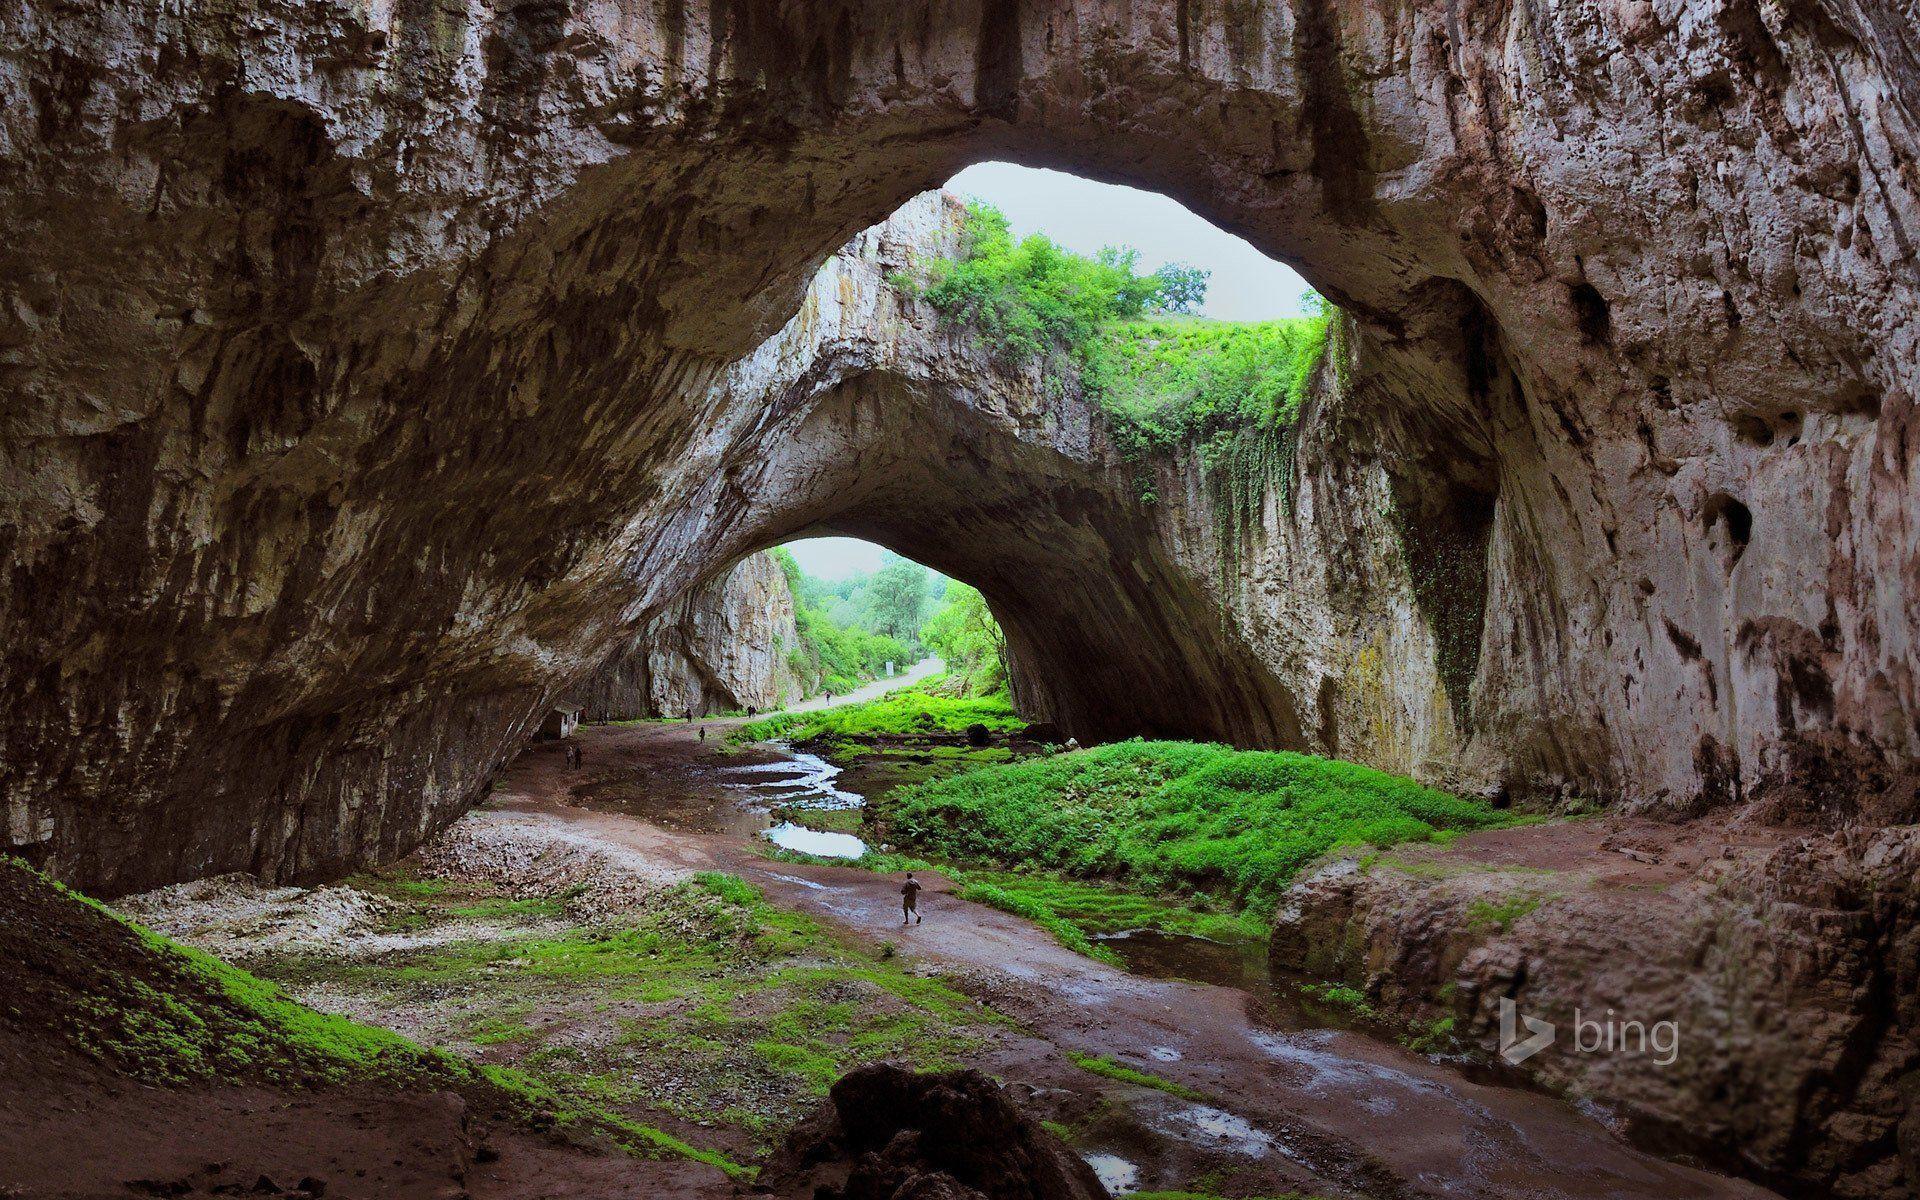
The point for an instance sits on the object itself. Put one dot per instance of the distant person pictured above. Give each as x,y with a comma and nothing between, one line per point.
573,754
829,697
910,901
703,733
752,712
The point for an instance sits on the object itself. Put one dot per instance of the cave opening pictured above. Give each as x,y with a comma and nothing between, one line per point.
375,372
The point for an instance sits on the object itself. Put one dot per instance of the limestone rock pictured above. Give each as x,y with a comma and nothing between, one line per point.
724,646
1787,965
371,372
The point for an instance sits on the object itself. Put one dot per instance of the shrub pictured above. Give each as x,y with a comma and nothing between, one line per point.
1162,377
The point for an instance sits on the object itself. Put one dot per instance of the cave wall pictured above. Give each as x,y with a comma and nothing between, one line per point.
722,647
359,371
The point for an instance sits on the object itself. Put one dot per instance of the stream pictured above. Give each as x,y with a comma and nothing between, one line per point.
1303,1105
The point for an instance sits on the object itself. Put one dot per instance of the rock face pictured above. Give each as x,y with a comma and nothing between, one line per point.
721,647
372,372
887,1133
1786,970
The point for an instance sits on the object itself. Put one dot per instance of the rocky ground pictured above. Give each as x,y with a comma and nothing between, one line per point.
1731,933
725,1042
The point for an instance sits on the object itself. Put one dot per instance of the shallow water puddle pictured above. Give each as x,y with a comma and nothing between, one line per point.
804,781
1220,1130
809,884
1116,1174
802,840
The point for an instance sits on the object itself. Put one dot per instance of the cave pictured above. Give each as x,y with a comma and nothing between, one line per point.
375,376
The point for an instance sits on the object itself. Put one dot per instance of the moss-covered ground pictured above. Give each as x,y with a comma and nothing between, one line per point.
1181,818
78,973
709,1012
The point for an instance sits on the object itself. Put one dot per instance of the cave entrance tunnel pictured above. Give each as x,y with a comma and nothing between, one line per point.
878,420
447,456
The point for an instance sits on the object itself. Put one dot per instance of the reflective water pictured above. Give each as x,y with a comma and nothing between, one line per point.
803,781
1116,1174
802,840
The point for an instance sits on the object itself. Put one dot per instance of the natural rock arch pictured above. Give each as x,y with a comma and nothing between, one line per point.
357,357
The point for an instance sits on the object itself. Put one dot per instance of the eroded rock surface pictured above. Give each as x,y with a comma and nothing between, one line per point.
1788,965
723,647
367,381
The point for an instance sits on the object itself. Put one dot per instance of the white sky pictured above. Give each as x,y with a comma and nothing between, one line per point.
1083,215
836,557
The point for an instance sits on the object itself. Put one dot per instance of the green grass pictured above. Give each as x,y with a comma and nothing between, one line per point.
1102,1065
908,712
753,1009
1499,915
1033,909
1161,377
1173,817
1350,1000
170,1015
1171,381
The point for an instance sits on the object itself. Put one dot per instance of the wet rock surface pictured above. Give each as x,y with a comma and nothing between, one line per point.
1785,965
888,1133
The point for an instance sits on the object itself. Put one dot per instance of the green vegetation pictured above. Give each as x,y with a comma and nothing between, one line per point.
170,1015
1431,1038
835,654
706,1006
964,633
1164,380
1098,908
1102,1065
915,711
1163,816
1498,915
1021,904
1340,996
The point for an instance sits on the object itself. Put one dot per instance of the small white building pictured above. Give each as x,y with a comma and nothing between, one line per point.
560,722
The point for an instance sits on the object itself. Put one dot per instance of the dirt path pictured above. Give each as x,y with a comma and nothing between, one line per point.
1350,1110
871,691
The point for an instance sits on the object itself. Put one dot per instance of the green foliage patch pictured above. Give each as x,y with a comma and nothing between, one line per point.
1169,816
1163,379
836,655
916,711
964,633
751,1010
1104,1066
171,1015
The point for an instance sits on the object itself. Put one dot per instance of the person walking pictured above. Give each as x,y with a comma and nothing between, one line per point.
910,901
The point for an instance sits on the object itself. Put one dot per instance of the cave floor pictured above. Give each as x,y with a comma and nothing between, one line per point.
1164,1084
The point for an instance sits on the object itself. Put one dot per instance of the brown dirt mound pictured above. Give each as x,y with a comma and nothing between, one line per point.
887,1132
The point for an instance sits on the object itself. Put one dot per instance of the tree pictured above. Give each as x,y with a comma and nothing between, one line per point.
1180,288
964,633
896,600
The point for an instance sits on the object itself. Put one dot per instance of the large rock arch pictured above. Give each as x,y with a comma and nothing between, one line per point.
356,357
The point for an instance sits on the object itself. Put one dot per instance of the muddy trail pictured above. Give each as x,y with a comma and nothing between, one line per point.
1244,1086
